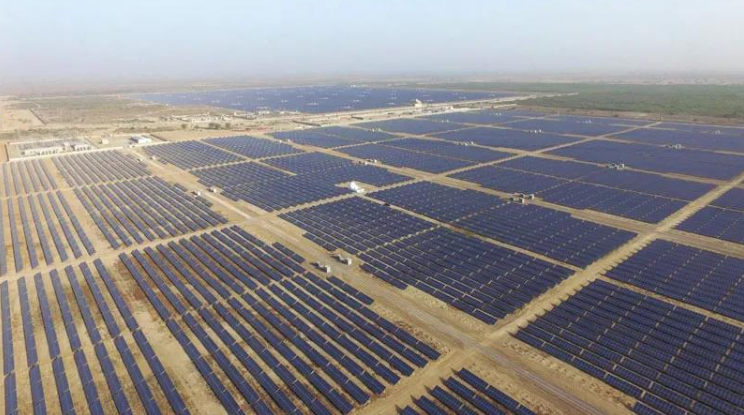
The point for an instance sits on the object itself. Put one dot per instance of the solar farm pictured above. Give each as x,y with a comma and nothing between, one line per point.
474,261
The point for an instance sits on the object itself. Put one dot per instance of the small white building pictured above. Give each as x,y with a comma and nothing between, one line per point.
141,139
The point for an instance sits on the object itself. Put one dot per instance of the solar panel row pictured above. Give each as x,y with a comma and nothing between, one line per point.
565,125
735,131
317,99
25,177
354,224
641,196
467,394
190,154
694,276
483,117
309,162
356,134
584,119
715,222
723,219
688,139
418,126
447,149
98,167
66,387
54,222
148,208
317,137
397,157
546,231
549,232
506,138
253,147
318,177
477,277
658,159
262,295
673,360
231,175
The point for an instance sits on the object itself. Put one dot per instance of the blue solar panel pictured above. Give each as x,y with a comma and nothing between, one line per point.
565,125
417,126
103,166
447,149
718,223
316,99
397,157
253,147
190,154
698,137
675,357
476,398
658,159
506,138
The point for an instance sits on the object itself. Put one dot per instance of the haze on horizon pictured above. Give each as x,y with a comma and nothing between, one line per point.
139,39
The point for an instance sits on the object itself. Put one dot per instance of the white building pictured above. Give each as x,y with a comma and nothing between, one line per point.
140,139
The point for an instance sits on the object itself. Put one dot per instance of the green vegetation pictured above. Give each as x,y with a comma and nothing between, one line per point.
721,101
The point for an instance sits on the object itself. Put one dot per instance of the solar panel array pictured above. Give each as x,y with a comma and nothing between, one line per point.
190,155
447,149
479,278
237,174
569,126
722,219
98,167
703,278
317,99
466,393
549,232
584,119
309,162
318,177
145,210
642,196
542,230
33,220
483,117
78,369
397,157
356,134
336,352
673,360
443,203
253,147
25,177
354,224
267,336
687,139
313,137
658,159
330,137
506,138
418,126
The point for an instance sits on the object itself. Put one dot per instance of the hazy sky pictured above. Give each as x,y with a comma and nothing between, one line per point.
122,39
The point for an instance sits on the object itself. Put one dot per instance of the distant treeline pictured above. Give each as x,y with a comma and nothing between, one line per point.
723,101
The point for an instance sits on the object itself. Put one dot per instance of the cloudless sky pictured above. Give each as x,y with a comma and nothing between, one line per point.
151,39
